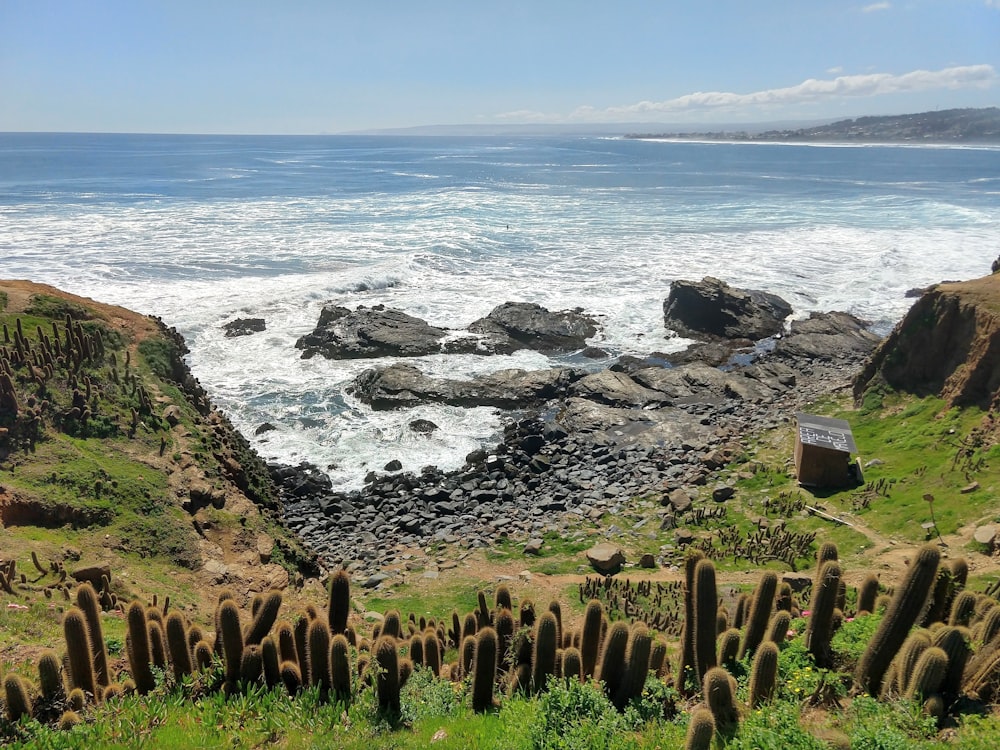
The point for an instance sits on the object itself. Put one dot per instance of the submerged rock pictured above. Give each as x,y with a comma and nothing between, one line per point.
524,325
244,327
370,332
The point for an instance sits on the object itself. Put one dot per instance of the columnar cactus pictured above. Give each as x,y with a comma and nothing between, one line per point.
701,729
543,657
760,613
706,602
820,628
590,642
81,663
777,629
17,699
903,611
264,618
764,674
928,674
612,667
339,605
484,669
720,695
729,647
867,594
228,618
177,645
636,666
140,664
271,660
89,603
387,679
432,652
686,665
49,678
572,665
340,667
318,650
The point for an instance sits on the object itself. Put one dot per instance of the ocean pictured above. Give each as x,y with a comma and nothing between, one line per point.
203,229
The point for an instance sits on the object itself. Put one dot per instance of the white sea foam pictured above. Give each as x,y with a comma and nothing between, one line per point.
496,224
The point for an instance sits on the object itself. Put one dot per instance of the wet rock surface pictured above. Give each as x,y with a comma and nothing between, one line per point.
244,327
711,307
523,325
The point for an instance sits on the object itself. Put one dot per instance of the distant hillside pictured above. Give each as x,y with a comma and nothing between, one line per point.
946,126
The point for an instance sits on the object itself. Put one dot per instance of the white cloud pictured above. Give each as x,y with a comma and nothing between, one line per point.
993,3
877,7
811,90
835,70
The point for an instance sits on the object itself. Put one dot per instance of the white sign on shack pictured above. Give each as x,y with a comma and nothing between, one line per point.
823,450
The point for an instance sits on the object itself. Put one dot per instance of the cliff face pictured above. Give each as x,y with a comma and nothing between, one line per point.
948,345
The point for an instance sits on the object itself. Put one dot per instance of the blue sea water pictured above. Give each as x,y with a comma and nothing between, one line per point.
202,229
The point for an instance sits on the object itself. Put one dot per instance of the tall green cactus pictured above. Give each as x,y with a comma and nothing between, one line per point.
318,649
590,642
686,665
636,666
706,602
963,607
139,659
729,648
340,667
820,629
928,674
503,599
764,674
543,657
956,643
903,611
612,667
777,629
81,662
484,669
387,679
719,692
157,643
291,677
760,613
339,605
89,603
572,664
271,661
49,676
228,617
432,652
251,665
264,618
505,634
392,624
867,594
468,655
417,649
177,645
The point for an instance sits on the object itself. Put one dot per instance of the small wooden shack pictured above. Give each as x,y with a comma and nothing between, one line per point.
823,450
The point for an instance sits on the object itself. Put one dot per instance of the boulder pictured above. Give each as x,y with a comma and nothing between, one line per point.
92,574
831,336
402,385
524,325
615,389
606,558
370,332
711,307
594,422
422,426
243,327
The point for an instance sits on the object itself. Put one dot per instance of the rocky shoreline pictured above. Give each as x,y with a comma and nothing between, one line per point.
578,444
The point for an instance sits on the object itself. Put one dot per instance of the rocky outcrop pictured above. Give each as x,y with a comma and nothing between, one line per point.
523,325
244,327
948,345
711,307
370,332
828,336
402,385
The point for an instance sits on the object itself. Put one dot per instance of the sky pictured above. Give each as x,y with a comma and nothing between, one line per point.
332,66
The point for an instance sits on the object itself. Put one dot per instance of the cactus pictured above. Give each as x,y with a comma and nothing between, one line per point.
777,629
783,599
827,551
157,644
339,606
432,652
392,624
503,599
417,649
636,666
81,663
897,679
387,679
820,628
903,611
658,658
990,625
760,613
505,634
202,655
251,665
88,602
340,667
867,594
177,645
271,661
955,642
612,669
291,677
556,609
263,618
719,693
963,607
18,700
543,656
937,609
686,664
284,635
571,665
68,720
526,613
928,674
469,626
468,654
318,659
484,669
729,647
706,602
590,642
764,673
228,617
483,610
76,700
300,634
49,678
701,729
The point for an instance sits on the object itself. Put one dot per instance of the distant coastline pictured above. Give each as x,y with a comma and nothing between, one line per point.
952,126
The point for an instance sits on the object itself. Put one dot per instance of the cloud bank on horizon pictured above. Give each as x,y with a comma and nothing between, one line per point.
770,102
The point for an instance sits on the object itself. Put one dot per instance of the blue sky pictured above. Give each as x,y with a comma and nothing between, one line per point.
311,66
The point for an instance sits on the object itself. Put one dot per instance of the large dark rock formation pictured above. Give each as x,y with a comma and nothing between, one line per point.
828,336
370,332
947,345
524,325
711,307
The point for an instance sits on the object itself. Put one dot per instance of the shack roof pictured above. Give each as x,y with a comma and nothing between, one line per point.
825,432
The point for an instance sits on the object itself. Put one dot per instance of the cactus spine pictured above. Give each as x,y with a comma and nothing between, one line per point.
764,674
484,669
81,664
903,611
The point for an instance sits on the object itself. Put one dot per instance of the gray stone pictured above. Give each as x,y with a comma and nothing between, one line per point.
606,558
533,546
712,307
